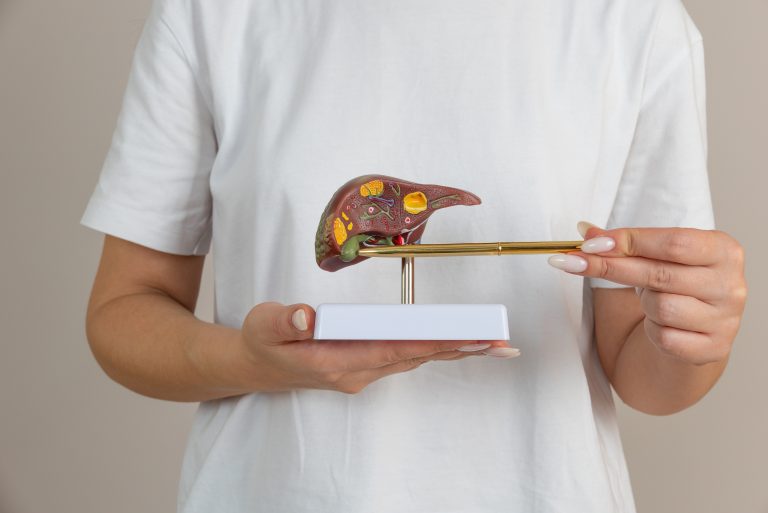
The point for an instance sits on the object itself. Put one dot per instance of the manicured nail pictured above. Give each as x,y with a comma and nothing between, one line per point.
568,263
474,347
584,226
502,352
598,245
299,320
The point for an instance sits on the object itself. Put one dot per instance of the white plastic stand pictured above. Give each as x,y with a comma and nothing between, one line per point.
336,321
407,321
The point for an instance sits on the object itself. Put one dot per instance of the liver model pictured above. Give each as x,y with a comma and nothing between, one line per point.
373,210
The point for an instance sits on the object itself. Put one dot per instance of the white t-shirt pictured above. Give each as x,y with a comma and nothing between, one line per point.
242,117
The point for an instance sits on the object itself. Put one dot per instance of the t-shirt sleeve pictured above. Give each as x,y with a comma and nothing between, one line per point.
154,184
664,181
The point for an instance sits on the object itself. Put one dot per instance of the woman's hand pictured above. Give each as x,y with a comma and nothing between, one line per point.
691,284
278,344
143,332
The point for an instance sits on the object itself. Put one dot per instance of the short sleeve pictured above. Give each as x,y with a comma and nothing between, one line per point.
154,184
664,181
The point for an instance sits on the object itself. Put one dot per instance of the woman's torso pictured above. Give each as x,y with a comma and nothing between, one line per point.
531,106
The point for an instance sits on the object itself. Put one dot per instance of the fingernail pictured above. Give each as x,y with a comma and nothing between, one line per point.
584,226
568,263
502,352
299,320
598,245
474,347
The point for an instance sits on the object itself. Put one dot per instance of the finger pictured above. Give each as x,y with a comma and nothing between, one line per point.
357,380
682,312
699,282
688,246
451,355
273,323
357,355
689,346
461,356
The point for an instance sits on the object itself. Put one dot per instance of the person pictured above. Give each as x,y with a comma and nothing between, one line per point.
239,121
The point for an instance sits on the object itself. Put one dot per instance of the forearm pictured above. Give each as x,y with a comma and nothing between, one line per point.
657,383
154,346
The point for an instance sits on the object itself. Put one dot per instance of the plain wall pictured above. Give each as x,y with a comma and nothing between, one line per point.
73,441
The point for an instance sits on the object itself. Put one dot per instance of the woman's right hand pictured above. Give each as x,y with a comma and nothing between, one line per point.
278,342
142,330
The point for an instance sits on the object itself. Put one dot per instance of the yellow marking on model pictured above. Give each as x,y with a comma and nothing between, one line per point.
415,202
339,232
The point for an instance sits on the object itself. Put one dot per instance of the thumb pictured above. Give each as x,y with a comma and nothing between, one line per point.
273,323
589,230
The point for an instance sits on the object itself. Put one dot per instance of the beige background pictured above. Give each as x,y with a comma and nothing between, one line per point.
73,441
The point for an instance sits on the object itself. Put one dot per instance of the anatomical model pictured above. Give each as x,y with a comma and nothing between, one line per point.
382,216
377,210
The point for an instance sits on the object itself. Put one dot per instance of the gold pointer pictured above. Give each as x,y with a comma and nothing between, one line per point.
470,249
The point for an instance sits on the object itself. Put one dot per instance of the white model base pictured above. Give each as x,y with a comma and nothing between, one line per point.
337,321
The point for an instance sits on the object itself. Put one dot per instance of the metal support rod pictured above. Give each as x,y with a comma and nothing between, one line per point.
406,281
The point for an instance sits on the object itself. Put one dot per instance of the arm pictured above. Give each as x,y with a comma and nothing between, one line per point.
646,378
142,331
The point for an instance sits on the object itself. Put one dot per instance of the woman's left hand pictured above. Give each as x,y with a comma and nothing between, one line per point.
691,284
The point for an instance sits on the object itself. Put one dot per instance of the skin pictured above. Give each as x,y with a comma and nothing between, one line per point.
662,351
142,331
665,348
